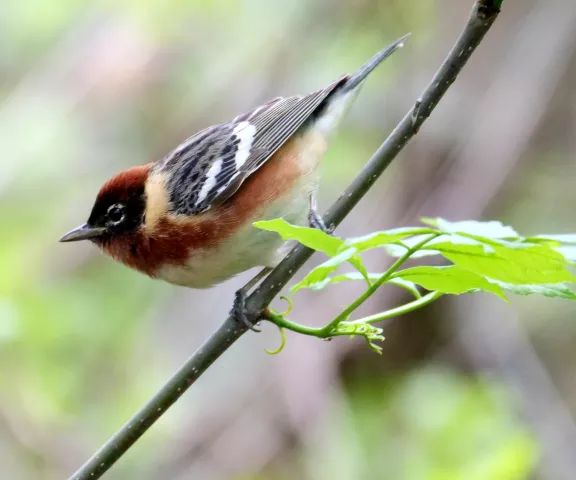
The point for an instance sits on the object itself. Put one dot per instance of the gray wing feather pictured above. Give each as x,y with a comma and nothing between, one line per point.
210,166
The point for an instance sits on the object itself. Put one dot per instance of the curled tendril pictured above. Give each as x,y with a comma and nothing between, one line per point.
282,345
290,306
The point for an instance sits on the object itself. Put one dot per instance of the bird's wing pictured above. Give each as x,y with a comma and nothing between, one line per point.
210,166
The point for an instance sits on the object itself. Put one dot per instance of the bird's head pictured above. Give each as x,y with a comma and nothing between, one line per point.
119,210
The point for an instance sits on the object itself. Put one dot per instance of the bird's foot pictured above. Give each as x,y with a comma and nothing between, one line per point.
239,310
316,221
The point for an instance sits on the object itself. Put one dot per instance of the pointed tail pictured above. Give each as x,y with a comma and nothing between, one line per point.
357,78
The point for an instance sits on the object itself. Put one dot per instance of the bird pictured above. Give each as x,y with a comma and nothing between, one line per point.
188,218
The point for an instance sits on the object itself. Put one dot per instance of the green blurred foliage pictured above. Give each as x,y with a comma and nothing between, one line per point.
429,424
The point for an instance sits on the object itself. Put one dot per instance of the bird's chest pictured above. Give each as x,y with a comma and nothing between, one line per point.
244,249
209,266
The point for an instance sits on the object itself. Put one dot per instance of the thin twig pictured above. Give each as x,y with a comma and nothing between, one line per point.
481,18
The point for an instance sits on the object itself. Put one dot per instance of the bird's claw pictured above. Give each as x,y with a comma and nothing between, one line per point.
316,221
239,310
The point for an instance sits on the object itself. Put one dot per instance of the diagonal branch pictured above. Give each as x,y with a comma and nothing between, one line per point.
483,14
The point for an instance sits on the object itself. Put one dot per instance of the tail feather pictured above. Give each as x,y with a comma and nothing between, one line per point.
326,118
357,78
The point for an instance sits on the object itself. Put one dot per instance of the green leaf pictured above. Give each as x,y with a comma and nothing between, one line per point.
406,285
310,237
533,264
565,244
563,238
355,276
379,239
507,261
334,280
548,289
358,264
399,250
542,241
452,280
491,229
321,272
345,277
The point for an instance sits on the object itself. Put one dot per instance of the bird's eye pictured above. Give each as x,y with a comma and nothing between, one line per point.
116,213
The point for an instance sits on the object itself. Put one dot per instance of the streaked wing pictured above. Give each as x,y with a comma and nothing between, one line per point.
210,166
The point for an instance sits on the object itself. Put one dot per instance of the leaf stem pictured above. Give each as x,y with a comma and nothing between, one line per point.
401,310
283,322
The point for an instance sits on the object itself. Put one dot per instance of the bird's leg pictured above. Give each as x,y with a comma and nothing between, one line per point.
314,219
239,307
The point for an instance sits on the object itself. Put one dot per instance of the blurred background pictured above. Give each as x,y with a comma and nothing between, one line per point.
469,388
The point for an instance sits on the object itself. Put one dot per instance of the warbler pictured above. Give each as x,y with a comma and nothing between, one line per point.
187,219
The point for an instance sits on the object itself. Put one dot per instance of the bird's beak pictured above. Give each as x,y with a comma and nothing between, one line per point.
83,232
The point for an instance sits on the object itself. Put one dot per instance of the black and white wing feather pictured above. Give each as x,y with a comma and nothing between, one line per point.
211,165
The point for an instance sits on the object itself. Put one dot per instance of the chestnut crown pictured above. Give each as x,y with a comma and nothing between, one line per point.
119,209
